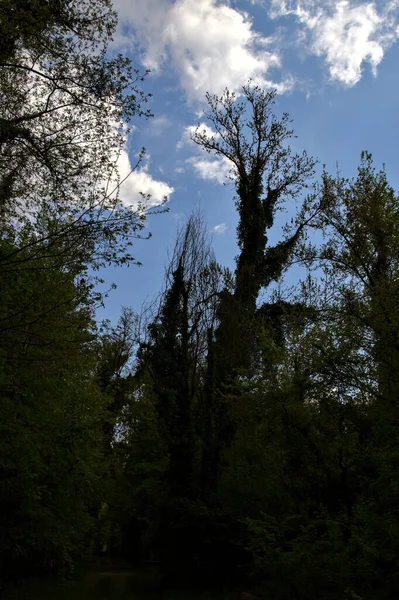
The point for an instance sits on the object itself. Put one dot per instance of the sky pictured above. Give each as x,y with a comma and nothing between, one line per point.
334,65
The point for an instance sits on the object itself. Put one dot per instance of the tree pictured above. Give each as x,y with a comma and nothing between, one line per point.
323,429
169,378
359,220
175,353
50,421
65,111
253,140
359,258
264,171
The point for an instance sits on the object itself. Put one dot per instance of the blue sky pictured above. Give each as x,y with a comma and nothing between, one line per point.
334,64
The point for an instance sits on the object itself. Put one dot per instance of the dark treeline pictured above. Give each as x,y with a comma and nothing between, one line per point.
246,434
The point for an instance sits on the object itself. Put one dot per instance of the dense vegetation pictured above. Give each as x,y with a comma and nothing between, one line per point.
245,434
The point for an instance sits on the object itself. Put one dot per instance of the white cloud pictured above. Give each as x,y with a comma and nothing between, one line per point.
210,44
220,229
189,132
217,169
346,34
140,182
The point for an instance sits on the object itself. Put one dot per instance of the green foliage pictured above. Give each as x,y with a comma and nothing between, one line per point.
65,109
50,417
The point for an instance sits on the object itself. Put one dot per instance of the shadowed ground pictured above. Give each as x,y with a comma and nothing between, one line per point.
110,582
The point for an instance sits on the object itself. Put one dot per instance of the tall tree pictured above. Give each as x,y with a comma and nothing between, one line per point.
356,343
50,420
177,345
172,369
359,258
66,104
254,141
65,110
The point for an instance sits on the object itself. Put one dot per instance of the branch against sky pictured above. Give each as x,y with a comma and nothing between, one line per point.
244,132
65,111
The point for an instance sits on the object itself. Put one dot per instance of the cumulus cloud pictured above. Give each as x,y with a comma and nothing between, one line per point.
219,229
346,34
210,44
139,182
216,169
189,132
